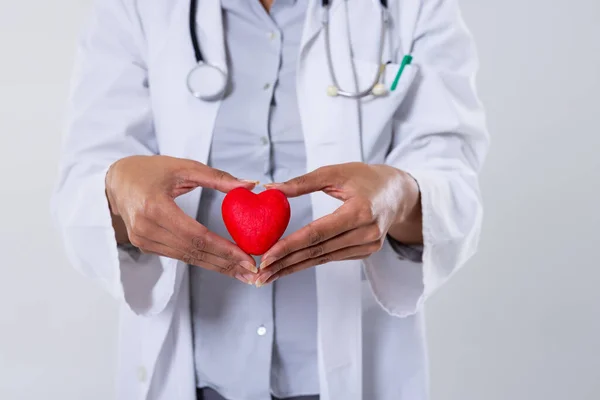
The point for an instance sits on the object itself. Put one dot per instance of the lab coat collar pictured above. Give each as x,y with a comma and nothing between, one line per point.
209,20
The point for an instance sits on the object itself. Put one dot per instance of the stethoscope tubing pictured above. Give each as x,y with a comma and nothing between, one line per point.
377,78
325,21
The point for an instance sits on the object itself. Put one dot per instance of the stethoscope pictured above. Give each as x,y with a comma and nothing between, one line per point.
208,82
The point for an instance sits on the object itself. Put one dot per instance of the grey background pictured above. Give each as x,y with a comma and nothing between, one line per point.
521,322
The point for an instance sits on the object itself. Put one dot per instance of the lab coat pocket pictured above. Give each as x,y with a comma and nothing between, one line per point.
377,112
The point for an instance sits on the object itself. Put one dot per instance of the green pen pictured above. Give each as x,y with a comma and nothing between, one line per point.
407,60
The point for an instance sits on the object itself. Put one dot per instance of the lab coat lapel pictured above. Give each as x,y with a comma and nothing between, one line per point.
187,131
197,116
313,24
332,134
209,23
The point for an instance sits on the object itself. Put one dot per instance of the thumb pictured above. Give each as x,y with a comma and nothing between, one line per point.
324,178
212,178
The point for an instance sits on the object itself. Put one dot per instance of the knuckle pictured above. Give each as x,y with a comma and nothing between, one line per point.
137,241
228,254
280,265
230,266
324,260
198,255
220,175
277,266
316,251
314,235
285,248
198,243
299,180
179,181
374,233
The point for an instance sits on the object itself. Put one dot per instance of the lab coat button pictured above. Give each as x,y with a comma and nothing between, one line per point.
272,35
264,140
262,331
142,374
267,86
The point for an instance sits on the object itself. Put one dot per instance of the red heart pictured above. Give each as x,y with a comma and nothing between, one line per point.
255,221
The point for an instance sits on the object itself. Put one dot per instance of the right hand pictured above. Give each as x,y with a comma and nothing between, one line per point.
141,192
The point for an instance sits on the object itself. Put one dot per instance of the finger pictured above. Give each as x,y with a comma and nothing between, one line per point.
315,181
199,259
318,231
197,236
354,237
361,251
207,177
158,234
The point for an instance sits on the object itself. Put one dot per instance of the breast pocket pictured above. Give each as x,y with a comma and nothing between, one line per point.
377,112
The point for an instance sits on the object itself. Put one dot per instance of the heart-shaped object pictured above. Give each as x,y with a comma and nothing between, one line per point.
256,221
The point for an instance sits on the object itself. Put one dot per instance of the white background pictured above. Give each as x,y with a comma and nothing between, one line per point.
521,322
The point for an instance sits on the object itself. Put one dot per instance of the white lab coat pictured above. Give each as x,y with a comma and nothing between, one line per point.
129,97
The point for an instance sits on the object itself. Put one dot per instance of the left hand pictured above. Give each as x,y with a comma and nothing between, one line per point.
376,197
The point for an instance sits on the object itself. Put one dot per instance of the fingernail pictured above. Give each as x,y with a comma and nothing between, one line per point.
249,181
268,261
243,280
260,284
271,185
262,280
247,278
249,266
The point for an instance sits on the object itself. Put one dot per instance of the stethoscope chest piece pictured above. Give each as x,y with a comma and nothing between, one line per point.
378,90
207,82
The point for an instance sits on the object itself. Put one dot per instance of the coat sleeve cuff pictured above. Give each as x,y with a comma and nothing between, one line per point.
401,285
413,253
145,283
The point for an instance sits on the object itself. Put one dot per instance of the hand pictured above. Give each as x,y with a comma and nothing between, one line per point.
141,191
376,198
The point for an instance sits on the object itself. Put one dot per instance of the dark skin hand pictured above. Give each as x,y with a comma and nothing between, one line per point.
377,200
141,192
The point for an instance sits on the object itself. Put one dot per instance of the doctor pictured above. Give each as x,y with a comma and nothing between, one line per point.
364,113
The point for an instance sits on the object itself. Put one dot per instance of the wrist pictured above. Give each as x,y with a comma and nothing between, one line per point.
410,200
108,179
407,227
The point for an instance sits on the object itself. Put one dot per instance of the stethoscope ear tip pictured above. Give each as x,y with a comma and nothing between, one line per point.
332,91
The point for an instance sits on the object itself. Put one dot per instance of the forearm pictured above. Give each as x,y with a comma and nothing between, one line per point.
408,228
